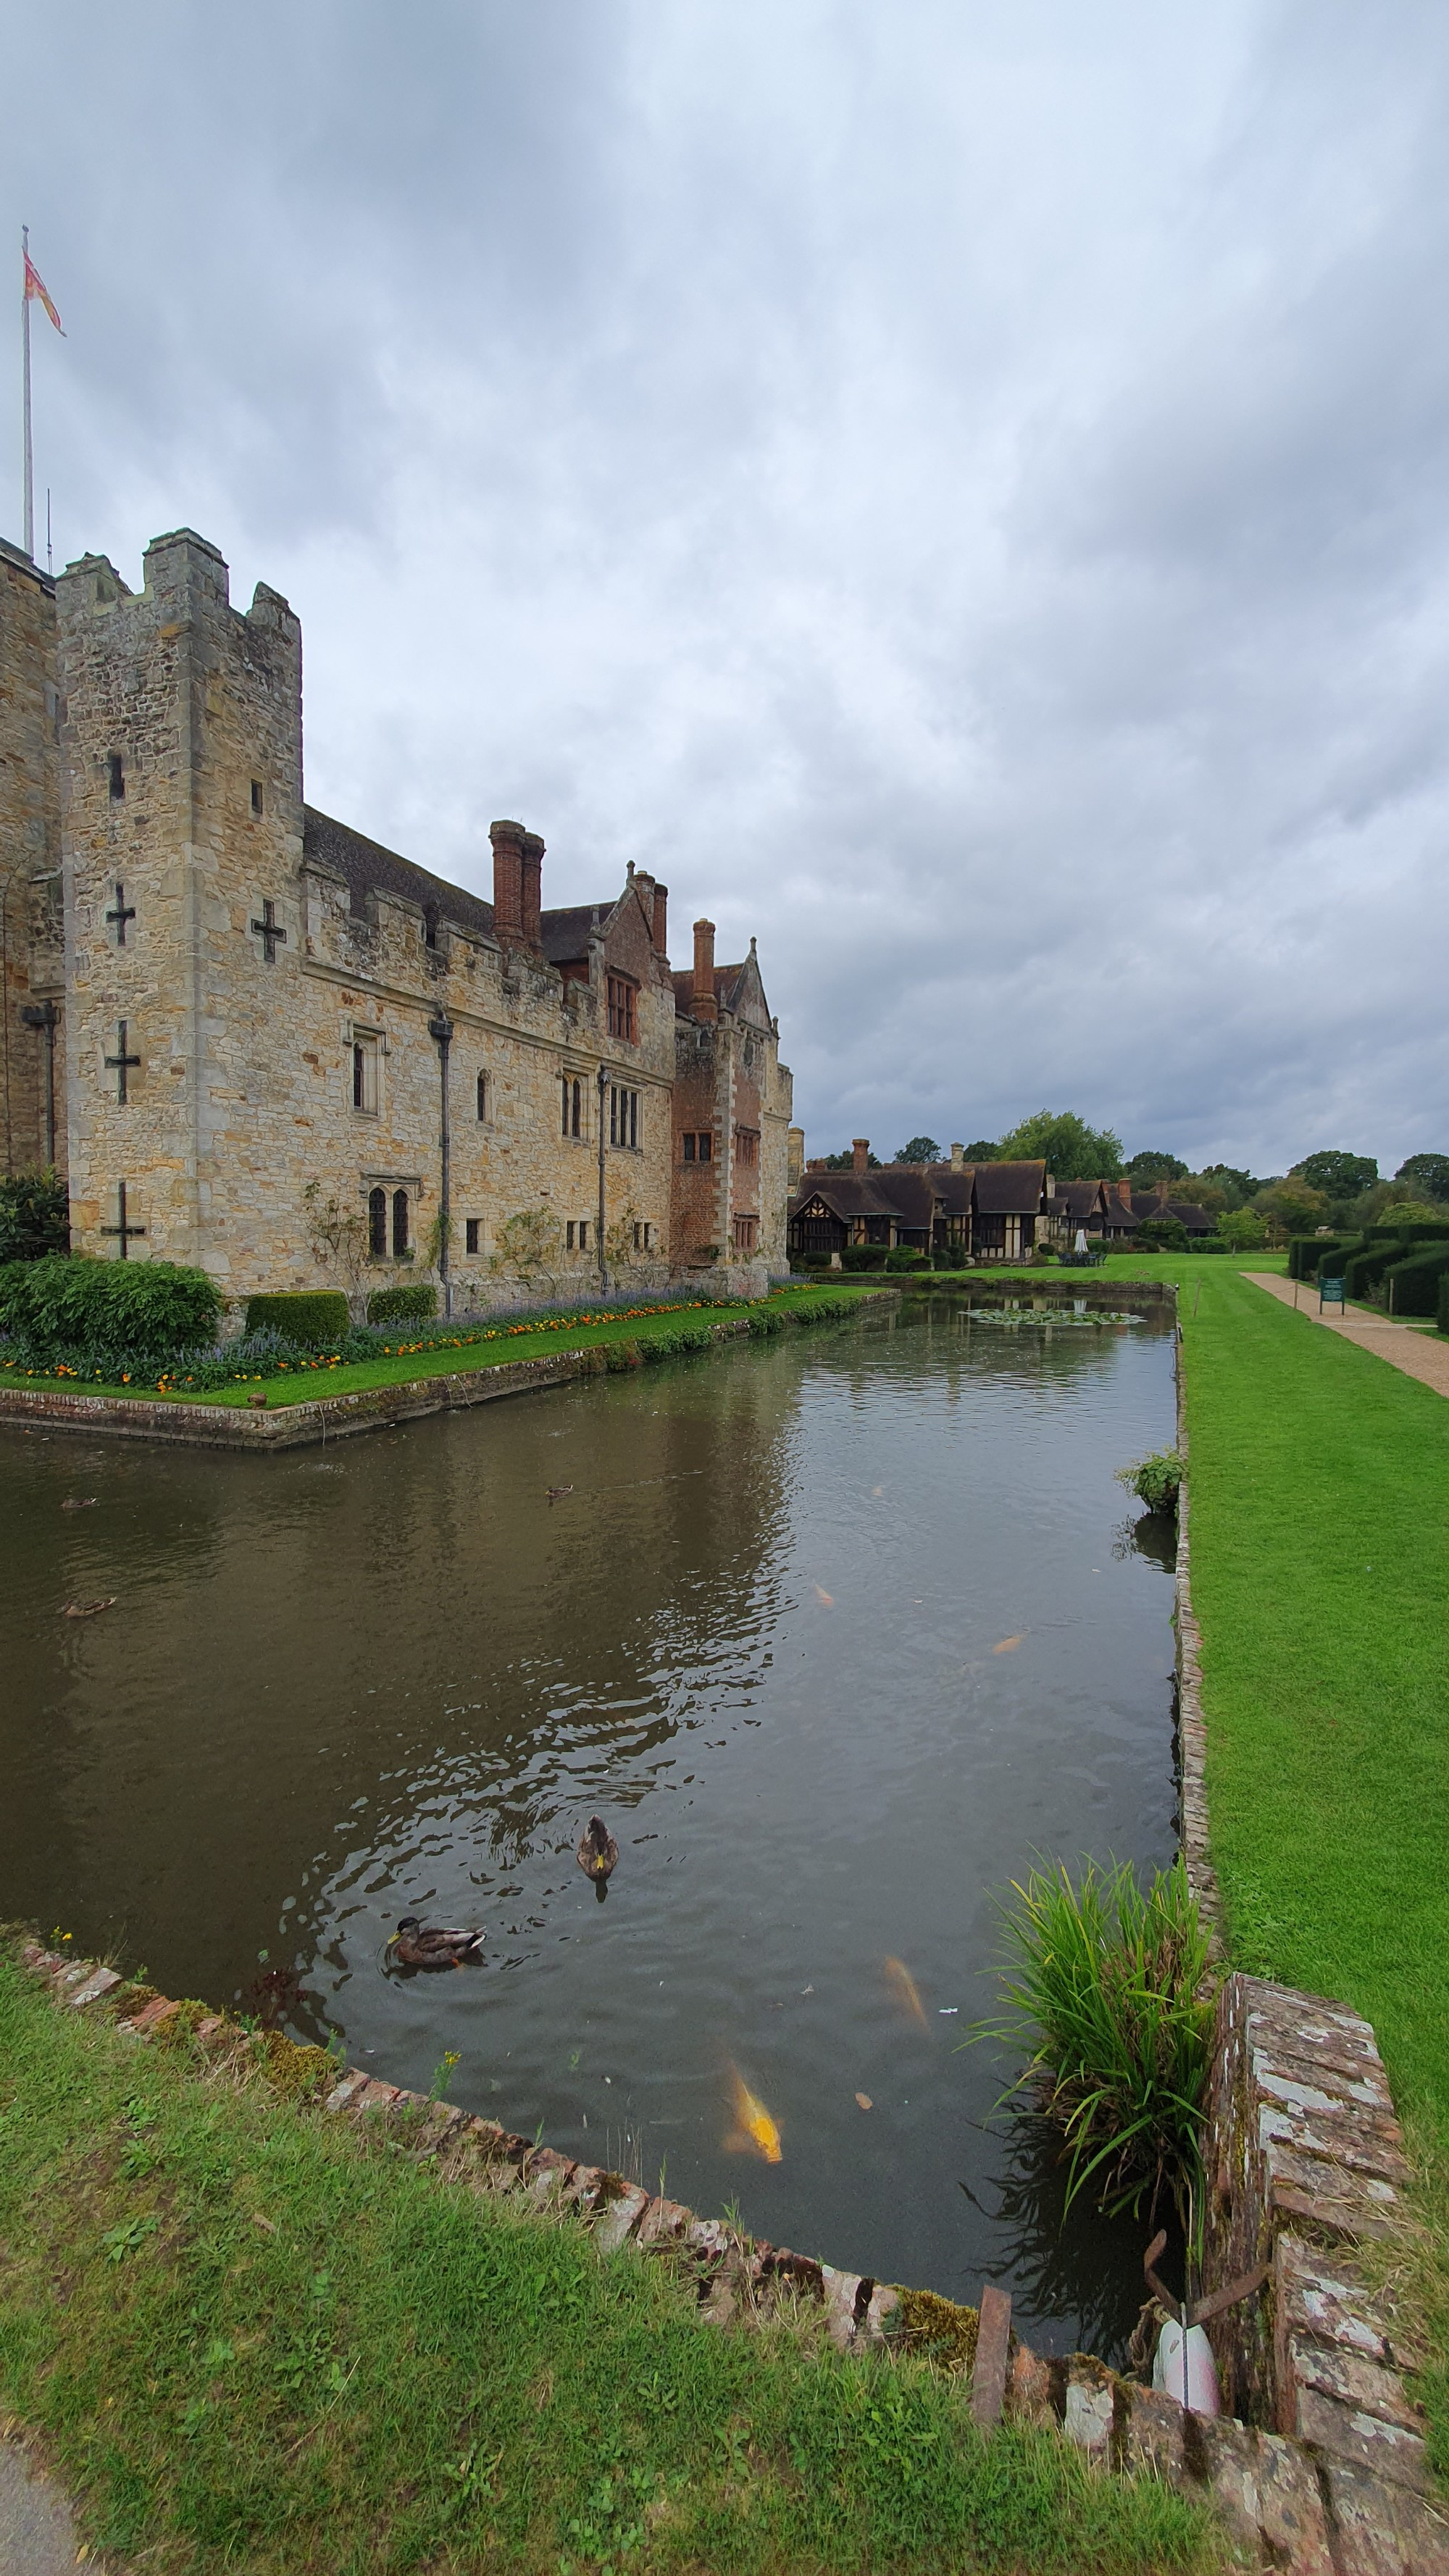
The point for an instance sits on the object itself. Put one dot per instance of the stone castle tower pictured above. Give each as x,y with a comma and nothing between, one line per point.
256,1041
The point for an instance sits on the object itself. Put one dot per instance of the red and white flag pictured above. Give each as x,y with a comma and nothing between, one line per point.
35,285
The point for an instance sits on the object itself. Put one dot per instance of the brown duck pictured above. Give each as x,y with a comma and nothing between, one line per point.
432,1945
598,1853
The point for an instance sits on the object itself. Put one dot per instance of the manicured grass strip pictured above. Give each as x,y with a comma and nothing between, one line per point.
1320,1570
252,2340
307,1381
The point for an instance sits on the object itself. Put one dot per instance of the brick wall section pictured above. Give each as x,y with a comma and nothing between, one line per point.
31,955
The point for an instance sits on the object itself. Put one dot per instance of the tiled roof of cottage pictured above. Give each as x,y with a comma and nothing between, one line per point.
1009,1189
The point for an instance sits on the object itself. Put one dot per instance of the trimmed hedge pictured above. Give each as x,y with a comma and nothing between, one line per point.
1307,1252
1443,1314
907,1256
414,1303
61,1306
1413,1285
1362,1271
307,1317
1417,1229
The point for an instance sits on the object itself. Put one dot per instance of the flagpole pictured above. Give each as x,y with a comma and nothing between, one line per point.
25,385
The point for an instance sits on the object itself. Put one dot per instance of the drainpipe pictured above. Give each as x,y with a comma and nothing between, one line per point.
442,1029
603,1262
44,1015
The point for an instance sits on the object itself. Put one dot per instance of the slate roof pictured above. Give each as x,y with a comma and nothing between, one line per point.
726,984
369,868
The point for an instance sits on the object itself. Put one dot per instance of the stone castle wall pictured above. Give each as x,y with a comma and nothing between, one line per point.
32,973
244,969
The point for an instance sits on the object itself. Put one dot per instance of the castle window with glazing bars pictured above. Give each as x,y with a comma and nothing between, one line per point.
473,1229
622,1021
747,1144
572,1105
116,769
399,1223
623,1116
377,1224
698,1145
364,1075
482,1095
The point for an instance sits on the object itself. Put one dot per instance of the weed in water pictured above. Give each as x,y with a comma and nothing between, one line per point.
1107,1986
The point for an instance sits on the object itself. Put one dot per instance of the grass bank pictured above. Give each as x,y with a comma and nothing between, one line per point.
433,1354
1320,1570
248,2338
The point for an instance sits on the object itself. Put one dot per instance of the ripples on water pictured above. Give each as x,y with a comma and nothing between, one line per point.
758,1636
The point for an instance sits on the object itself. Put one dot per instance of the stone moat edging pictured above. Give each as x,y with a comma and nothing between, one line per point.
1285,2504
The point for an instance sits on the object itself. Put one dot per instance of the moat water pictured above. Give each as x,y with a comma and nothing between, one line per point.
837,1632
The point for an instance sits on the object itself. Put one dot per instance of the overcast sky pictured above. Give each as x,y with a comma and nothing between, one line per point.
957,488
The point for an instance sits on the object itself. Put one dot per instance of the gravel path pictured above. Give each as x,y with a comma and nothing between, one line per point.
1408,1347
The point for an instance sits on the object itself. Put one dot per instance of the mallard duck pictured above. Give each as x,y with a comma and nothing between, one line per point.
556,1493
598,1853
433,1945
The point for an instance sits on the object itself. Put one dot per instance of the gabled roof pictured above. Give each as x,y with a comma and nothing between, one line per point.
1009,1189
726,986
567,932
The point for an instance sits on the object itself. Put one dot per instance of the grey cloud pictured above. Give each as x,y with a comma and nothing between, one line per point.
960,494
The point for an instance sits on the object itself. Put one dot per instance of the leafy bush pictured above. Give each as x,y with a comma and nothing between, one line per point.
812,1260
1413,1285
906,1256
306,1317
59,1305
863,1256
34,1216
1108,1987
415,1302
1161,1234
1155,1480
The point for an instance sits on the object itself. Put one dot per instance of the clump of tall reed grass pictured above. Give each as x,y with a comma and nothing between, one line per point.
1108,1985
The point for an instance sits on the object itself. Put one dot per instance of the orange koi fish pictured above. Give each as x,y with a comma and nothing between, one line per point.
903,1986
1007,1646
754,2132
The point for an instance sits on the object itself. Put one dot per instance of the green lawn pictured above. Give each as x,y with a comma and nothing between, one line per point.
1320,1574
250,2339
308,1381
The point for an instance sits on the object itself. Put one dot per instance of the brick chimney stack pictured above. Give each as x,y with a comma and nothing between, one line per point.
706,1006
660,922
860,1153
531,850
507,840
